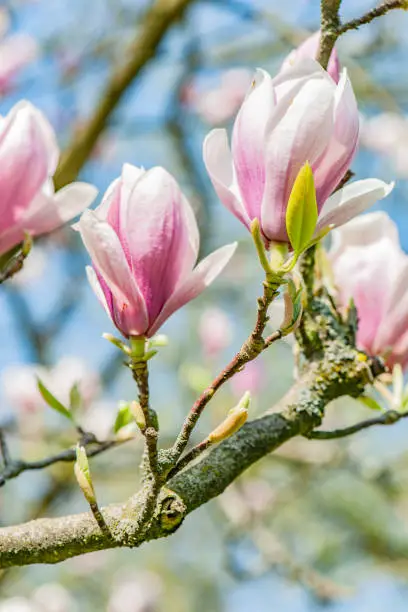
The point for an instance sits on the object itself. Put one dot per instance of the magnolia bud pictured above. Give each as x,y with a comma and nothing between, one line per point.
233,422
83,475
138,415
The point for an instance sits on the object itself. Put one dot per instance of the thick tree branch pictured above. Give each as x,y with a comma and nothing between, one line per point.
54,540
158,20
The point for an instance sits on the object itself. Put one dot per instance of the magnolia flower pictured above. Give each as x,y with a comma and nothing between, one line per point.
215,331
218,104
143,240
16,51
300,115
28,159
310,48
370,267
251,378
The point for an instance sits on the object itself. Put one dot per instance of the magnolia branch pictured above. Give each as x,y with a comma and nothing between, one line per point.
387,418
332,28
13,468
53,540
251,348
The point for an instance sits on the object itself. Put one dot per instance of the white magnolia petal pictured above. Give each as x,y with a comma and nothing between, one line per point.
351,201
218,161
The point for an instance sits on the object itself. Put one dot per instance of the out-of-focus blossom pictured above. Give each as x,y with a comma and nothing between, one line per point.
138,592
16,51
310,48
143,240
17,604
19,383
53,597
251,379
218,104
300,115
28,159
100,419
215,331
370,267
387,134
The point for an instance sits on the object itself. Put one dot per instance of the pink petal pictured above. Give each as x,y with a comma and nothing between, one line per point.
200,278
248,139
162,235
218,161
300,136
310,48
363,231
351,201
49,211
23,165
336,158
106,252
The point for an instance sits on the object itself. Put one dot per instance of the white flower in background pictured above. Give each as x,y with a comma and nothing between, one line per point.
19,383
215,331
17,604
100,419
53,597
387,134
136,592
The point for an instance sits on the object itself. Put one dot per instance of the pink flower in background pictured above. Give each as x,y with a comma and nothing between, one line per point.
300,115
19,383
28,159
370,267
251,379
16,51
215,331
218,104
143,240
310,48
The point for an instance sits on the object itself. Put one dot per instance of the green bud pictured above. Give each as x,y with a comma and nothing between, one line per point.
83,475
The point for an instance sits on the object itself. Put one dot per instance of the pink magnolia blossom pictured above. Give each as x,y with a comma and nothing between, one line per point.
215,331
387,134
370,267
28,159
16,51
310,48
143,240
300,115
251,379
218,104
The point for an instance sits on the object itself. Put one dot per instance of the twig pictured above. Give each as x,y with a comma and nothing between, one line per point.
15,468
379,11
253,346
387,418
4,449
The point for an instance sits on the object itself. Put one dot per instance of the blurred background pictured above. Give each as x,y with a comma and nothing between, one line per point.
317,526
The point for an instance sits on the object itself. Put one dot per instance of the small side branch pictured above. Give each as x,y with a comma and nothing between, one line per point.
253,346
387,418
12,469
379,11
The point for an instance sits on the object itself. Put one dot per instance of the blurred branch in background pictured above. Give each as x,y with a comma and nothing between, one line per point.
155,25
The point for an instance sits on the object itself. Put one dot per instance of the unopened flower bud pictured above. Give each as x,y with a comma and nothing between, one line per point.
83,475
138,415
235,419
